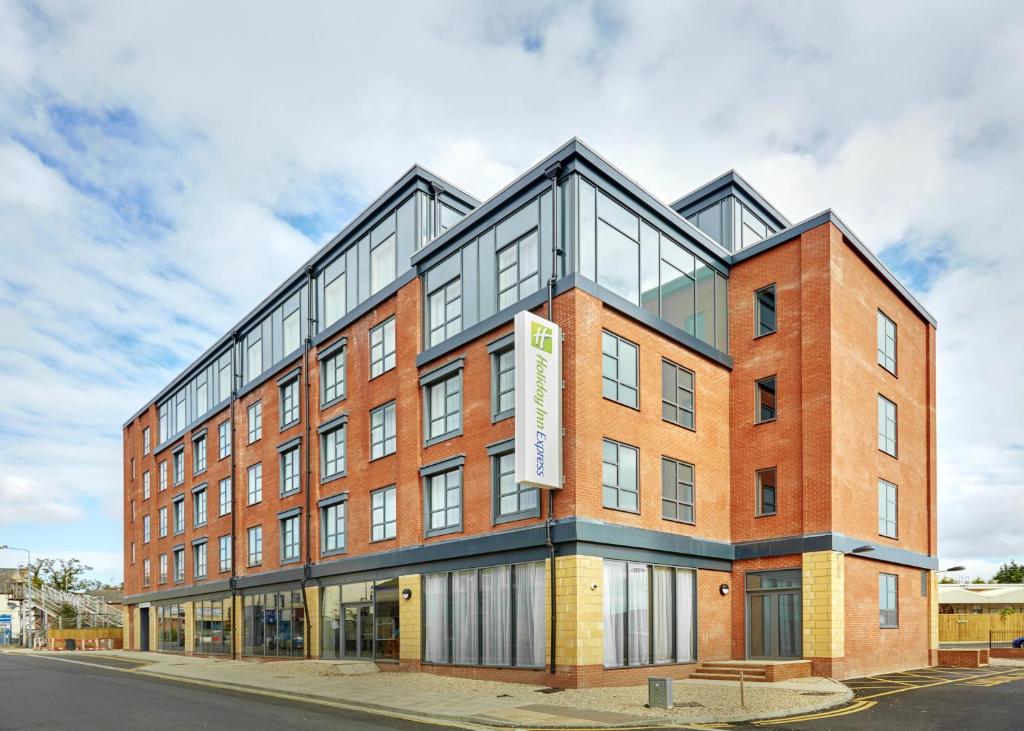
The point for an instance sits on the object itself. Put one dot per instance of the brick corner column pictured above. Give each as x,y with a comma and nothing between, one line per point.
824,622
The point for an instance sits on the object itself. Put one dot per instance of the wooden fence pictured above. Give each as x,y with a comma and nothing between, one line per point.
976,627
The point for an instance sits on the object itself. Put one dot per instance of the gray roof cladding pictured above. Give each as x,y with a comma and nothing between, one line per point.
694,201
347,236
574,155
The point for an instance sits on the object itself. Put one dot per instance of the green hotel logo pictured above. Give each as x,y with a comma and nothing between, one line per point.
541,337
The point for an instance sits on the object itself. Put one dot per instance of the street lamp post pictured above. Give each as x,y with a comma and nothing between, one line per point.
26,602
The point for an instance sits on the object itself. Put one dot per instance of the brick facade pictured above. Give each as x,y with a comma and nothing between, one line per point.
822,444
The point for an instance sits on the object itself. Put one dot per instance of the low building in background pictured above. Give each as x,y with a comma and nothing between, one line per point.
981,599
748,460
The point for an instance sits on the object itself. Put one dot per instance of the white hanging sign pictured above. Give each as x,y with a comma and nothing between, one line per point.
538,344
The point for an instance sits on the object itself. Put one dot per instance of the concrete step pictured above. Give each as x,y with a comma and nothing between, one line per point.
708,675
733,665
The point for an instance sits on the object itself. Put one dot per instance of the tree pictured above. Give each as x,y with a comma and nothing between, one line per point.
1009,573
947,580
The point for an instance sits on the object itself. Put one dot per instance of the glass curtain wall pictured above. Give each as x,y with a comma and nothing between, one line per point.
212,627
493,616
170,627
360,620
648,614
274,624
628,256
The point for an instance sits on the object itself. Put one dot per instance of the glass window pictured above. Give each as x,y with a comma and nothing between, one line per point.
290,538
224,377
518,272
162,519
224,439
212,622
677,490
145,572
254,358
290,331
619,370
444,306
333,520
677,394
887,521
765,492
179,515
163,475
886,343
332,377
290,402
255,421
334,299
199,455
503,367
145,529
178,463
492,617
333,447
444,502
199,508
290,481
764,311
179,564
886,425
382,347
274,625
255,545
225,553
170,624
888,601
764,409
255,484
382,264
145,441
164,421
648,614
444,408
618,249
199,561
163,568
382,431
145,485
619,476
224,497
383,514
513,501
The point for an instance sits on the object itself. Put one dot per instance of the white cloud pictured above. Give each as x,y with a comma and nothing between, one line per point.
25,500
237,111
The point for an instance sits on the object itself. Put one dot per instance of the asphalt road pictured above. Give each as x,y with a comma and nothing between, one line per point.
40,693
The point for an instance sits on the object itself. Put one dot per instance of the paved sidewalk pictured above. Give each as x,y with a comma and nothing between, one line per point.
479,702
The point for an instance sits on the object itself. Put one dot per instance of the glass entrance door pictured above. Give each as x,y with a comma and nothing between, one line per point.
358,627
773,615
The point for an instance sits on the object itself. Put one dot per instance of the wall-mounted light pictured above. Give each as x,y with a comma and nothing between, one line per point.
723,589
593,586
407,594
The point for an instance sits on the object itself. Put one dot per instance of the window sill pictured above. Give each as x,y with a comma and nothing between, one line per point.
286,561
765,335
765,515
296,491
254,565
442,532
383,456
289,425
443,437
334,552
179,532
681,426
332,478
332,402
383,540
620,403
223,457
890,538
224,513
495,418
679,522
888,454
766,421
621,510
382,373
200,472
891,373
199,525
513,517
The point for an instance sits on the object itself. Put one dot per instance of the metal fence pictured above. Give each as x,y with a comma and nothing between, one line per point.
1004,638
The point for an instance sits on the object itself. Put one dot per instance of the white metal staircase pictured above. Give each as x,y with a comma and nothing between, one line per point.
89,610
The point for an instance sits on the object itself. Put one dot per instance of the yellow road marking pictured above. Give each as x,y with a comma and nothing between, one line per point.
854,707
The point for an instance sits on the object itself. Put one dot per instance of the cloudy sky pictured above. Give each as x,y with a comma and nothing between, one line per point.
164,166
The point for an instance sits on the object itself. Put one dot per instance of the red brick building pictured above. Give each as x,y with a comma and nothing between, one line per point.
748,411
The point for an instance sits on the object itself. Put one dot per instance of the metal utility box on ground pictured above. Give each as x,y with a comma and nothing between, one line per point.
659,692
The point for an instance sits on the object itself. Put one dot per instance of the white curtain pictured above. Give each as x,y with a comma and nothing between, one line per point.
614,613
464,618
639,616
435,619
684,615
496,610
530,614
661,589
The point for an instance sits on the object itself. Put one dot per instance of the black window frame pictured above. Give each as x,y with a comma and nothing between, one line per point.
443,377
443,470
256,407
677,406
334,361
895,428
288,398
497,453
385,439
385,355
888,618
500,349
882,354
618,489
327,523
759,406
383,492
759,491
449,322
883,521
759,325
677,482
618,384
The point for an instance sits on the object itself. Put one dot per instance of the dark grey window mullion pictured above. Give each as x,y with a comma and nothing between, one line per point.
514,612
450,639
479,620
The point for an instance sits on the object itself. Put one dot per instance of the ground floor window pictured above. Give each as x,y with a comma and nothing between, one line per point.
170,628
492,616
648,614
360,620
213,627
274,624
